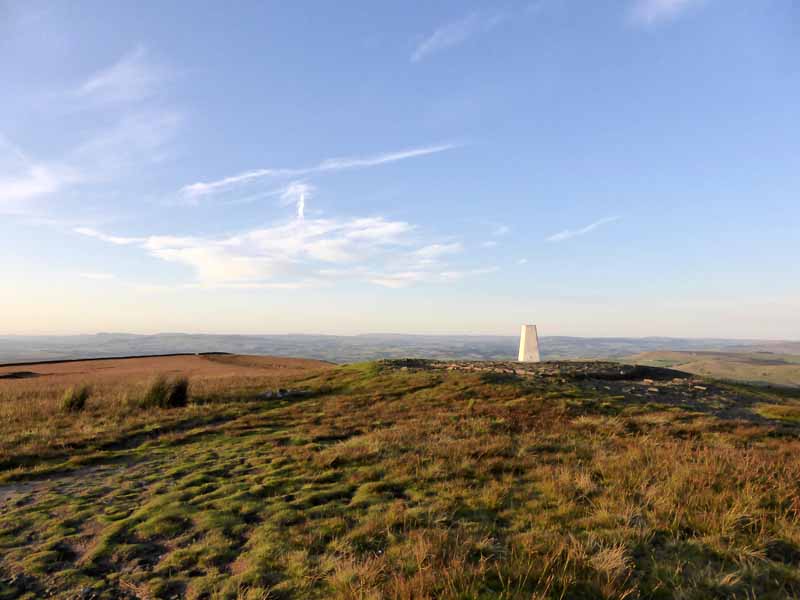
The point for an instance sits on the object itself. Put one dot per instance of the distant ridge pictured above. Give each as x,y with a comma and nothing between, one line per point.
93,358
356,348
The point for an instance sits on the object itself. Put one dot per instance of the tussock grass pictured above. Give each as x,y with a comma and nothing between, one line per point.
166,393
74,399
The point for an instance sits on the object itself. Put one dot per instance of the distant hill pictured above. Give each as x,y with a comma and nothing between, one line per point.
345,349
757,366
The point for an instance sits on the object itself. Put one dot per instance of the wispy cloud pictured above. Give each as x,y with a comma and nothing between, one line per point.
436,251
202,188
140,134
132,78
336,164
399,279
301,251
139,137
111,239
22,178
463,274
97,276
290,250
403,279
497,230
500,230
650,12
571,233
455,33
33,181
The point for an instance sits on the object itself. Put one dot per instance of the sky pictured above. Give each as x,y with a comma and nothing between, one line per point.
604,168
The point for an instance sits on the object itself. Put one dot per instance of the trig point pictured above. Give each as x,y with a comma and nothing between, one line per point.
529,344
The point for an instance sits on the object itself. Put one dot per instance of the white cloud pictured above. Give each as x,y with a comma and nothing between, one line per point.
455,33
522,261
402,279
571,233
398,280
650,12
290,250
212,263
456,275
202,188
132,78
302,252
22,179
489,244
97,276
336,164
435,251
34,180
378,230
111,239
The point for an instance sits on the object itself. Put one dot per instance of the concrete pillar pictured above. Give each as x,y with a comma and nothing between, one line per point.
529,344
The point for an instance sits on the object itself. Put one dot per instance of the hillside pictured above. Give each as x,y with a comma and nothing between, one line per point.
753,366
402,479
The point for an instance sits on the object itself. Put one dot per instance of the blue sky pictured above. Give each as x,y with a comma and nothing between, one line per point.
627,167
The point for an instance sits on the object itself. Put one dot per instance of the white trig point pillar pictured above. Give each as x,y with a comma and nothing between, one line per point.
529,344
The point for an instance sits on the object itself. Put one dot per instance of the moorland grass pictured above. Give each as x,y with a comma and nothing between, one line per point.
420,484
166,393
74,398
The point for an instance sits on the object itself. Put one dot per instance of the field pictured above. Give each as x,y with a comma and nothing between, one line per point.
397,479
756,367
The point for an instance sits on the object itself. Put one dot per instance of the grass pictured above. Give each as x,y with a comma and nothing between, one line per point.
74,399
418,483
780,412
757,367
166,393
36,433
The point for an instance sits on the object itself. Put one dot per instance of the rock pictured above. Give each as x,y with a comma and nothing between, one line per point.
655,390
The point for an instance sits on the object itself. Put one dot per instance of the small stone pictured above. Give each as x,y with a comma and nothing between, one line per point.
655,390
701,388
647,381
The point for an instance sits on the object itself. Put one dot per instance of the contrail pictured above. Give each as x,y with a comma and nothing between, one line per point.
301,206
